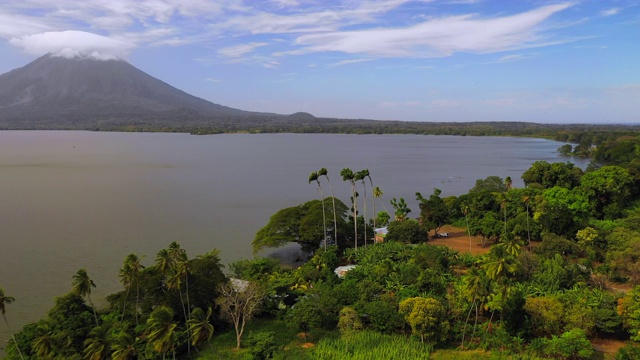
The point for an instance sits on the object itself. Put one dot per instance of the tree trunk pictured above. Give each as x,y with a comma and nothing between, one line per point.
137,299
335,219
355,214
467,321
94,309
324,218
186,281
124,303
364,186
13,336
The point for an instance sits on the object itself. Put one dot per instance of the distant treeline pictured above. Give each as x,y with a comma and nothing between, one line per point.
191,122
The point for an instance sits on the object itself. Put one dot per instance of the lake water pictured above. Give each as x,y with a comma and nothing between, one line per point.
70,200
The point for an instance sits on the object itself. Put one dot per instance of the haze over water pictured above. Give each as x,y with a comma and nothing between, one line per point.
70,200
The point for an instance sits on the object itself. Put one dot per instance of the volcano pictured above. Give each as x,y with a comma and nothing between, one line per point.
58,92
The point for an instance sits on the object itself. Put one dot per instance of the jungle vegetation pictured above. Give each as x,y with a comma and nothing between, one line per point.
562,269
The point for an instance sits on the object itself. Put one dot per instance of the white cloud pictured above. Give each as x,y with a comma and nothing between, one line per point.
212,80
73,44
12,25
439,37
240,50
348,62
610,12
514,57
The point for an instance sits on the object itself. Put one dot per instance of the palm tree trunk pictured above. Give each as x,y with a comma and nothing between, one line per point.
137,299
324,217
186,281
364,186
335,219
95,315
13,336
468,232
124,303
475,323
355,214
467,321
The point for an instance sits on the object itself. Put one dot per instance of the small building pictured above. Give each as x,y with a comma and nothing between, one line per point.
341,271
380,234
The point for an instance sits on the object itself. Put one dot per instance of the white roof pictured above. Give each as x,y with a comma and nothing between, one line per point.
341,271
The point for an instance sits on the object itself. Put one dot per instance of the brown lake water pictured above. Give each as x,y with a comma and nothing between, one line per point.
72,199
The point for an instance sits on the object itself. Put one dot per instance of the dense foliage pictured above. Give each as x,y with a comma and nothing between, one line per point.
556,251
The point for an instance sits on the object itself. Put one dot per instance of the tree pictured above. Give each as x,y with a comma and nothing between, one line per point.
324,172
564,175
433,211
96,347
239,301
348,175
409,232
124,347
362,175
82,285
608,188
300,224
314,177
401,209
349,323
427,318
130,274
200,326
4,301
161,331
493,184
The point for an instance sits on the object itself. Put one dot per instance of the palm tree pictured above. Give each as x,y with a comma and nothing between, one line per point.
124,347
526,202
348,175
130,273
183,269
200,327
163,261
82,285
162,330
96,346
43,344
5,300
314,177
362,175
465,211
323,172
377,194
477,288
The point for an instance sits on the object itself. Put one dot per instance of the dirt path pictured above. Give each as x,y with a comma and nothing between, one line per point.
458,240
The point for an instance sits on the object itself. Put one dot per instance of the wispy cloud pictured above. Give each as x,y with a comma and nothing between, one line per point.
514,57
83,45
240,50
348,62
439,37
213,80
610,12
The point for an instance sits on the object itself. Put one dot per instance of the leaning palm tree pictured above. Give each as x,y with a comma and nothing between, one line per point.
323,172
82,285
5,300
129,274
44,342
314,177
161,331
163,261
200,326
348,175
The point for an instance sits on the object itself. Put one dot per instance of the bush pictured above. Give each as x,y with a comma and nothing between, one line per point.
262,345
628,352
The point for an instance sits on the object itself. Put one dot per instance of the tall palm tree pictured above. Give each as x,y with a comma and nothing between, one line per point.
465,211
200,326
183,269
4,301
314,177
362,175
377,194
163,261
348,175
526,202
129,274
82,285
324,172
96,346
161,331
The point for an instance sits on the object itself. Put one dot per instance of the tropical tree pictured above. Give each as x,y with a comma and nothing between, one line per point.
124,346
477,288
427,318
362,175
44,343
314,177
163,261
324,172
4,301
200,327
377,194
348,175
96,346
239,301
130,274
401,209
161,331
82,285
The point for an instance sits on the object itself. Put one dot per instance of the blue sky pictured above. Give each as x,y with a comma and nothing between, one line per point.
428,60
